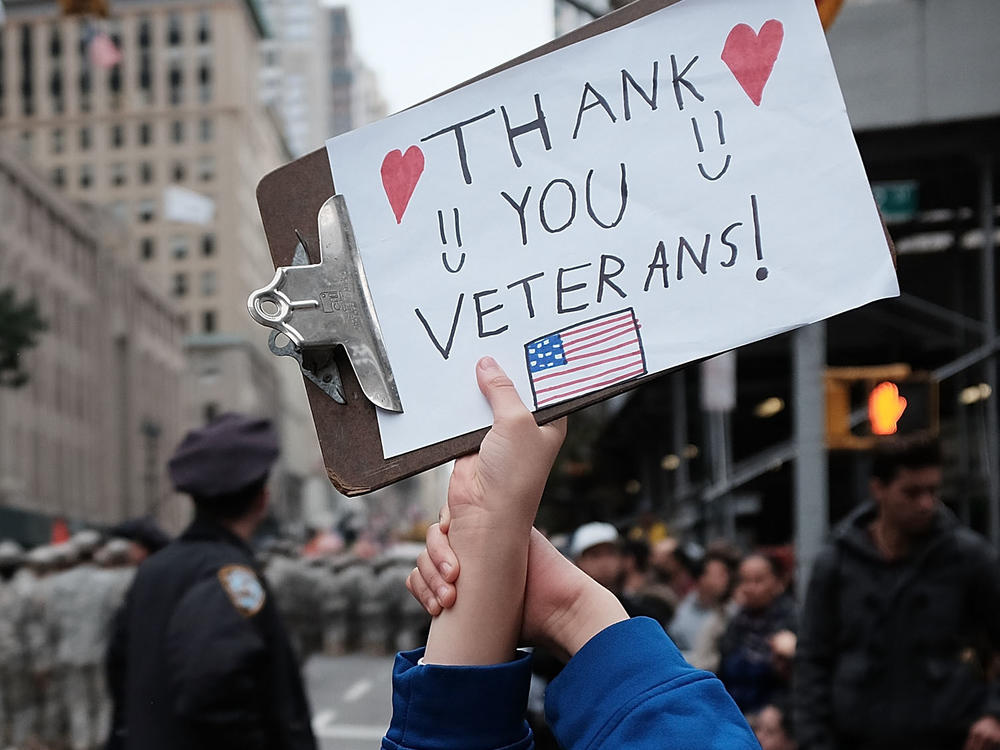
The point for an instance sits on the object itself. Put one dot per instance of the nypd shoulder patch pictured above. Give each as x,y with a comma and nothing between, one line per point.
243,588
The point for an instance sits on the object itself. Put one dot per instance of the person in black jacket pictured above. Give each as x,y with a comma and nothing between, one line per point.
202,657
898,609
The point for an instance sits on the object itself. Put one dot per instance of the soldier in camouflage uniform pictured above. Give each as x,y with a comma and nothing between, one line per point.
11,556
334,602
62,593
357,579
410,621
76,611
26,687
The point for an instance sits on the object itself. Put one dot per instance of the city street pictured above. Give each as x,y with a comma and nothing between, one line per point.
350,697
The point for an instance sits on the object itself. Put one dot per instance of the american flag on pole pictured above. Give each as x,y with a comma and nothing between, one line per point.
585,357
102,51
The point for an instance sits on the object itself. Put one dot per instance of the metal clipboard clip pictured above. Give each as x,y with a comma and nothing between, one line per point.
319,306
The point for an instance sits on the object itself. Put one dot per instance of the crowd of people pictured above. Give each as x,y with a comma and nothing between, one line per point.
58,603
729,613
890,644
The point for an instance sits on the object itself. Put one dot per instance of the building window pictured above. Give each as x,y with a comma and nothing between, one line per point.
205,82
120,209
118,177
145,32
58,140
177,131
85,139
146,77
208,245
209,283
146,172
179,247
206,168
206,130
204,27
180,286
117,136
179,173
176,82
55,43
56,91
86,175
147,210
208,321
27,68
174,30
145,134
59,176
3,74
115,87
85,87
147,248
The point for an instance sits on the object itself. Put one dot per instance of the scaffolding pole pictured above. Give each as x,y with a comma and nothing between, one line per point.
811,486
989,300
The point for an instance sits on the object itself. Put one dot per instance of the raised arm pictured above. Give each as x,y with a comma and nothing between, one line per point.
492,501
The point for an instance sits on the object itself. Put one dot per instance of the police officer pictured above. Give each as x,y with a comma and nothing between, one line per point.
206,661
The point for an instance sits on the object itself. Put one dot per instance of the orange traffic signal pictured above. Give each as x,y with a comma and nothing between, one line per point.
885,407
863,403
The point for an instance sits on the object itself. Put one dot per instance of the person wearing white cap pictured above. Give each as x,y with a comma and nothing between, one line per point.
596,550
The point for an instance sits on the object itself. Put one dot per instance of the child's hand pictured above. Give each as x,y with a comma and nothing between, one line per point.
501,485
563,606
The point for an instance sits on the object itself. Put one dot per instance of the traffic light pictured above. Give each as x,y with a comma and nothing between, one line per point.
828,10
885,400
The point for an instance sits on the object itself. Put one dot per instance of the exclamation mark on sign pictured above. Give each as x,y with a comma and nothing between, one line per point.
762,271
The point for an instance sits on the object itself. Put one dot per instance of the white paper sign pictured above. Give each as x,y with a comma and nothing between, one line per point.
677,187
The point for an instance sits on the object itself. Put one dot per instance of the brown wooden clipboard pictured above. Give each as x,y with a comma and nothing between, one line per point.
289,199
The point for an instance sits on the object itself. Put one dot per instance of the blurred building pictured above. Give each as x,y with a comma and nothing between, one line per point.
355,99
571,14
294,73
87,437
172,141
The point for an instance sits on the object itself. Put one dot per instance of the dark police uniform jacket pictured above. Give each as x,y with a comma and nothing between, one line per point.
205,659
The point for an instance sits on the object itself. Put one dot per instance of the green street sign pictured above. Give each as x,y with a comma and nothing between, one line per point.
897,200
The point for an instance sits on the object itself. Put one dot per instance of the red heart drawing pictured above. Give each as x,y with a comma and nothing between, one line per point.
751,56
400,174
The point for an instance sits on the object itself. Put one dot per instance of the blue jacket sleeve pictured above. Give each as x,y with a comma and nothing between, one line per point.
630,687
438,707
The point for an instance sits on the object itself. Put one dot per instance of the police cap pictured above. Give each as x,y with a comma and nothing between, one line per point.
227,455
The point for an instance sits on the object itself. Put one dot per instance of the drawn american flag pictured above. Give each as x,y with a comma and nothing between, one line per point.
585,357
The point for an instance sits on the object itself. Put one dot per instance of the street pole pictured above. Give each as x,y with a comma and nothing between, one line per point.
989,298
811,486
680,433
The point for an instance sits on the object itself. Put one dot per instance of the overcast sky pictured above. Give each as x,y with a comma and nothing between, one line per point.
420,47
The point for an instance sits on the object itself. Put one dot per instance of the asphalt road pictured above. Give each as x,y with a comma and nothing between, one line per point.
351,700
